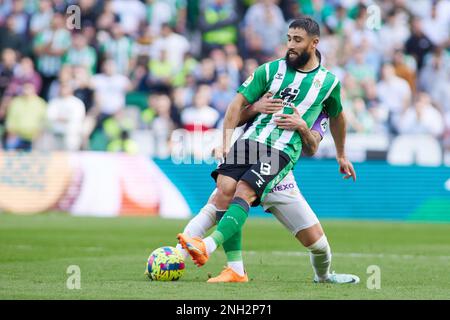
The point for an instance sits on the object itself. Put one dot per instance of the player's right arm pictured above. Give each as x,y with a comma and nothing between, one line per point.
231,120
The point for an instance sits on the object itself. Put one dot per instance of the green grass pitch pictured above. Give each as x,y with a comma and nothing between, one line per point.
36,251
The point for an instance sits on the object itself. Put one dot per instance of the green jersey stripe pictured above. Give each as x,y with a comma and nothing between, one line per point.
335,82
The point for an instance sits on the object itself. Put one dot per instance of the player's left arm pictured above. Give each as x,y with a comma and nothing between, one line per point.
294,121
333,106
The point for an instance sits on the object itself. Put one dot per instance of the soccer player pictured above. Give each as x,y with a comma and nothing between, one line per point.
288,205
269,149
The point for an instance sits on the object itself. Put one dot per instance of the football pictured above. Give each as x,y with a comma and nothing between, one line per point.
165,264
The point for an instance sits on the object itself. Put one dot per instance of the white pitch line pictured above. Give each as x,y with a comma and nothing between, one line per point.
354,255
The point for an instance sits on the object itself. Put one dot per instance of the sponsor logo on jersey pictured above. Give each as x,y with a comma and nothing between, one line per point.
249,79
289,94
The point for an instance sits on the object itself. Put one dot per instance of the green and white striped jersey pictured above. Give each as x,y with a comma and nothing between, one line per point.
309,92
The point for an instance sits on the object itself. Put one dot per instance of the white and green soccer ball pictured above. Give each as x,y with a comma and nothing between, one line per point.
165,264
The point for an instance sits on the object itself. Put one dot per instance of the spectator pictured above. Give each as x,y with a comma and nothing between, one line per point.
162,73
21,18
437,29
217,22
422,118
65,76
235,64
358,32
435,79
119,48
81,54
394,94
65,116
42,19
105,21
359,69
206,72
162,124
50,46
418,44
223,65
123,143
405,68
265,28
25,119
250,66
110,89
172,12
25,73
360,120
83,91
118,128
9,38
200,116
222,94
7,67
90,10
131,13
394,33
175,45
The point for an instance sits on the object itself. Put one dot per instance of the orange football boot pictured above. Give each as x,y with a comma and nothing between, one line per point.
195,247
229,275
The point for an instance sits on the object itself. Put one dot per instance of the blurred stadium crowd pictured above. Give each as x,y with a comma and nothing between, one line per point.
142,76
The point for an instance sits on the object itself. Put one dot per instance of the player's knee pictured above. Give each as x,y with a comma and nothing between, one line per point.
310,235
321,246
244,191
225,192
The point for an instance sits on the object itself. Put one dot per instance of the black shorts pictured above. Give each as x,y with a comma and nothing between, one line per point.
261,166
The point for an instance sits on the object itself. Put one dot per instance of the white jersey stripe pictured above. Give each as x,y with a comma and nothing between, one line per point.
313,92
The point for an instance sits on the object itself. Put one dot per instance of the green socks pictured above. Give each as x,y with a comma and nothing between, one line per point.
230,226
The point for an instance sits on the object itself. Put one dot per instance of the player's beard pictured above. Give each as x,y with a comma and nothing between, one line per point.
299,61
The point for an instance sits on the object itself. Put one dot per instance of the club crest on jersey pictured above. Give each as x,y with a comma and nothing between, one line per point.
279,76
317,83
